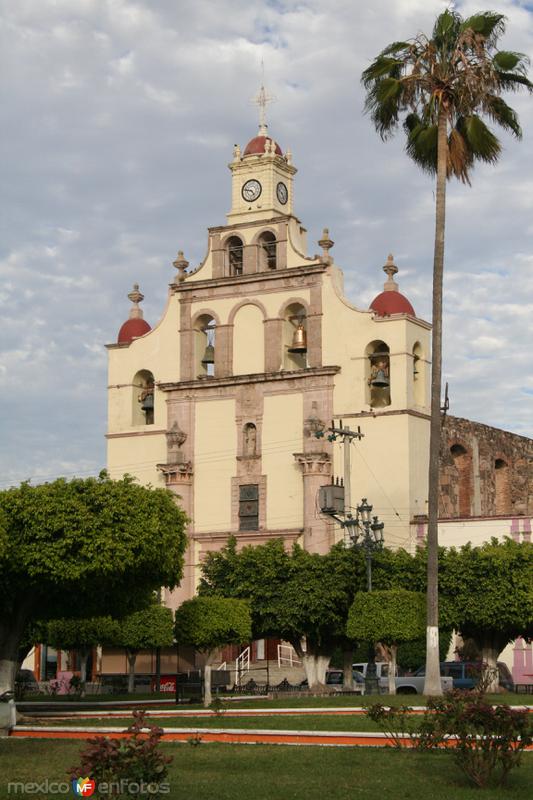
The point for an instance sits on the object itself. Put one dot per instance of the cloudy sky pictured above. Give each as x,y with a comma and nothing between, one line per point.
119,120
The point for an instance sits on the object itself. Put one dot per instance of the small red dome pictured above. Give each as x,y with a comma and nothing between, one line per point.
131,329
388,303
257,145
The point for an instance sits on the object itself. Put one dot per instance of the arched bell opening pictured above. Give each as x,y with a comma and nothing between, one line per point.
419,375
267,251
378,374
235,255
295,337
143,402
204,346
463,464
502,499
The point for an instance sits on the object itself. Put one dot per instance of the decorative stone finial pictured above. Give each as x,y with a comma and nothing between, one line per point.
236,152
390,269
326,244
136,297
288,156
181,265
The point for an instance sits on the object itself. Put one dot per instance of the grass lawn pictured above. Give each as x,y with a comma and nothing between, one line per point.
286,701
224,772
292,722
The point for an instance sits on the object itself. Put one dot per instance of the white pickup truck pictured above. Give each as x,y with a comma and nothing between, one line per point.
411,684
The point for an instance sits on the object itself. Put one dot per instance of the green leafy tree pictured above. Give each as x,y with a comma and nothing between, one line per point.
146,629
300,594
208,623
81,635
441,87
86,547
390,617
488,591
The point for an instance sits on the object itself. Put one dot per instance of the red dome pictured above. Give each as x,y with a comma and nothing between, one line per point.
388,303
257,145
131,329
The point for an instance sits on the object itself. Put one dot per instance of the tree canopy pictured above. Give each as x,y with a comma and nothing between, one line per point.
83,547
300,594
488,591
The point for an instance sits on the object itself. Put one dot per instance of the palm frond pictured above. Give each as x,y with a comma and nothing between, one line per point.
395,47
513,82
446,28
421,143
379,68
459,157
509,61
488,24
498,110
482,143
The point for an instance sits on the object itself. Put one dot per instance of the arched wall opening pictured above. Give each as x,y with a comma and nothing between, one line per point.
502,487
294,337
267,251
377,367
463,463
234,255
204,329
143,400
419,375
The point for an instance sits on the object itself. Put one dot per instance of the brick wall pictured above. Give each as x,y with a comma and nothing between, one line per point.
484,471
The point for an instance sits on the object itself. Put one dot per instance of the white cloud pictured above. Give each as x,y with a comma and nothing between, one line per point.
122,117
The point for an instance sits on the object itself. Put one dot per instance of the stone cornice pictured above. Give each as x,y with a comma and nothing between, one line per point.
259,377
410,411
232,280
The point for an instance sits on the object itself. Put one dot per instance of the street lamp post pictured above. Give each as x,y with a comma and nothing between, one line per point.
366,533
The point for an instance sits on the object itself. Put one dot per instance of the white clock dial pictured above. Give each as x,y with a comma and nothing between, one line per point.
251,190
282,193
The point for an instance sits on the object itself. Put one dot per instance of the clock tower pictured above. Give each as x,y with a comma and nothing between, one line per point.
262,176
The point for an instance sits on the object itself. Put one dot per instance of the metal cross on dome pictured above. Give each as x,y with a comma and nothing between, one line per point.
261,99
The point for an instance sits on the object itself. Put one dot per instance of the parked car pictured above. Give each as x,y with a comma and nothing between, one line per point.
382,668
465,674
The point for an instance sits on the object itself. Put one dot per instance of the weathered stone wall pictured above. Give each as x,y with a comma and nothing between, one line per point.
484,471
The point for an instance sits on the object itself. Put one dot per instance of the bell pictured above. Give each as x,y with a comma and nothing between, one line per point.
299,341
380,381
209,355
147,403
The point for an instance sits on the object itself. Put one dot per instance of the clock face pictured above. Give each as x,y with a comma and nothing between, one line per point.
251,190
282,193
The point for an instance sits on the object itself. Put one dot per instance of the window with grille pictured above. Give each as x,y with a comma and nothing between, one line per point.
249,507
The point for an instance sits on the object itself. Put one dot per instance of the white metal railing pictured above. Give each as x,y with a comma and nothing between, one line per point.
287,656
242,665
222,666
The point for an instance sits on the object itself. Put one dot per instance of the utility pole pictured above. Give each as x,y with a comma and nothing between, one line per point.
347,436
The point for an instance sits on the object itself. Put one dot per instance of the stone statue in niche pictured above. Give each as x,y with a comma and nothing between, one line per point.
250,439
176,438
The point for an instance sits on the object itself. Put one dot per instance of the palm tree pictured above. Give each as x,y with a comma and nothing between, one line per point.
441,87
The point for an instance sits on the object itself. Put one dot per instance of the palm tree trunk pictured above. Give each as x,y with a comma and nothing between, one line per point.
432,684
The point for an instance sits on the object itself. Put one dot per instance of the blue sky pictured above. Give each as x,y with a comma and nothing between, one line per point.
119,122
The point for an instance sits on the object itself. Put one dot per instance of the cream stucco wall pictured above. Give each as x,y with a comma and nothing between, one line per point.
216,449
137,455
282,436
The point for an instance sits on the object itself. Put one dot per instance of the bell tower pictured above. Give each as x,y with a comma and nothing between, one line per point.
262,176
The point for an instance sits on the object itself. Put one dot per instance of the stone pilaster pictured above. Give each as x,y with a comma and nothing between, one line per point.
316,471
186,342
224,351
273,342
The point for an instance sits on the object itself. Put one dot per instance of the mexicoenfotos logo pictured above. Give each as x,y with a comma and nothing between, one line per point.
83,787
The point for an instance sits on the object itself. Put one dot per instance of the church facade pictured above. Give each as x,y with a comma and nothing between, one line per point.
257,351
